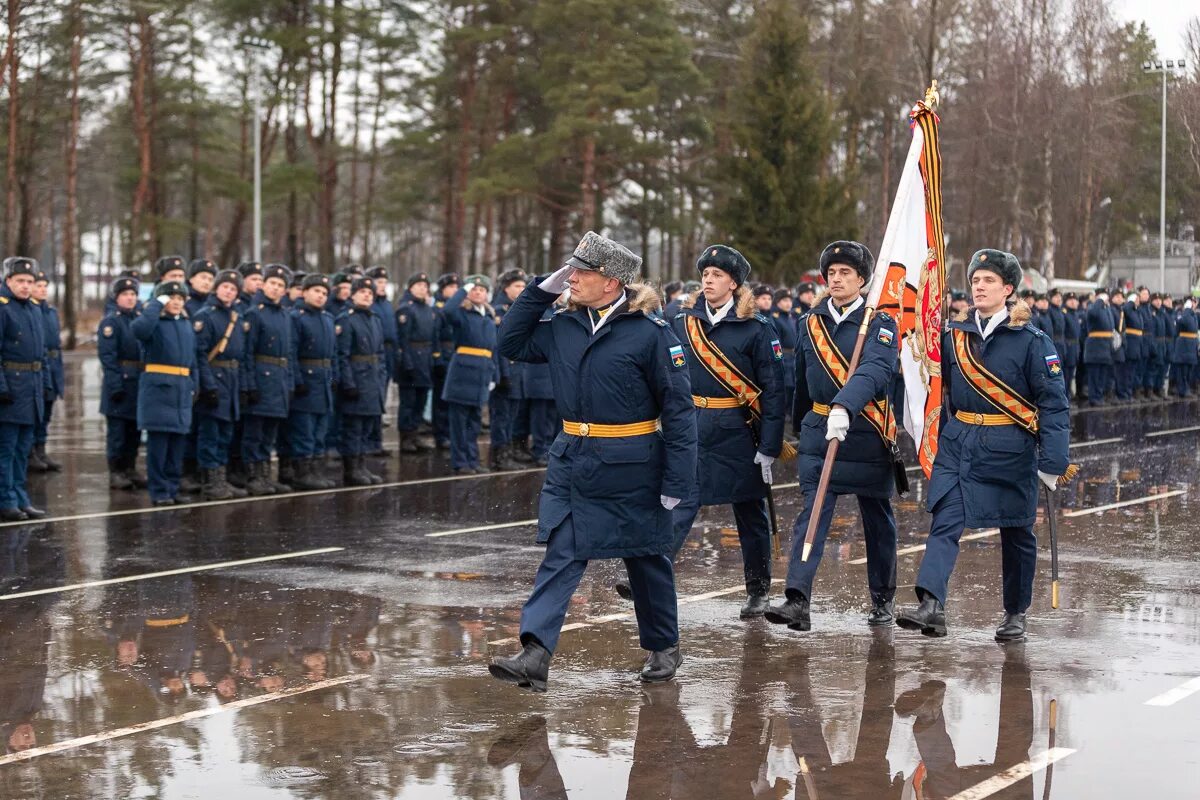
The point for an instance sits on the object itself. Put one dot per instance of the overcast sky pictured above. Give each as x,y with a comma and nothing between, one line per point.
1165,18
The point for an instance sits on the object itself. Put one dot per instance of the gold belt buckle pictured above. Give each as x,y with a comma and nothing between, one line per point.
583,429
703,402
979,419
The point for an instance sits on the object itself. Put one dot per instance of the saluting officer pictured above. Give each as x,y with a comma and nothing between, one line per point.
416,329
619,376
443,351
1183,352
1098,348
362,381
167,387
314,360
857,411
121,362
1005,427
505,400
24,383
472,373
221,361
38,460
268,379
734,366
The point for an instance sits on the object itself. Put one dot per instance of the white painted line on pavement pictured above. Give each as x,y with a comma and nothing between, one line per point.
496,527
1094,442
288,496
917,548
1147,499
165,573
1013,774
1173,696
83,741
1173,430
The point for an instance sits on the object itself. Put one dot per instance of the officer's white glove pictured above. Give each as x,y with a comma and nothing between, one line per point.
668,502
557,282
1051,481
491,385
1187,303
765,463
468,286
838,425
163,298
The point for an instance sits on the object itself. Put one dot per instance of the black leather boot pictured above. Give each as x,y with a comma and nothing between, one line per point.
529,669
259,484
12,515
882,612
929,617
661,665
795,613
280,486
1012,629
353,472
755,606
33,513
50,463
213,487
234,491
117,479
287,471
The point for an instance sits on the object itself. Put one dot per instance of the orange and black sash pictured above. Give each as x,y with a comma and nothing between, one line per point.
728,376
990,388
878,412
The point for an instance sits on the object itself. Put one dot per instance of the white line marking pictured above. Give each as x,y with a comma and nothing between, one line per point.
695,598
1013,774
1094,442
1173,696
496,527
1173,430
83,741
287,496
1148,498
916,548
182,571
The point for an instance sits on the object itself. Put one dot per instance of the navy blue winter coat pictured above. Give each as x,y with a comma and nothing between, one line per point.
195,302
313,360
1117,314
788,333
1184,349
864,461
361,362
1071,332
387,320
511,380
996,466
725,439
629,371
1136,325
1098,349
469,375
268,346
121,363
416,341
54,358
225,372
22,341
165,401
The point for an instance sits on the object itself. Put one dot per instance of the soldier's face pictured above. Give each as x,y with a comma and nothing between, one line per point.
784,304
127,299
844,283
1073,304
807,298
364,297
21,286
1156,303
763,301
252,283
419,290
316,296
202,282
175,305
274,288
478,295
514,289
295,291
448,290
590,288
381,286
173,275
989,291
40,289
227,292
1144,296
343,292
717,285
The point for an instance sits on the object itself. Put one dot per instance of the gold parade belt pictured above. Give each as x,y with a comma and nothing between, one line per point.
983,419
1188,335
1133,331
716,402
821,409
474,351
1100,335
603,431
168,369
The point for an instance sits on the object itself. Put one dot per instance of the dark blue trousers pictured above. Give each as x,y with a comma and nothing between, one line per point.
121,439
1097,381
42,431
501,411
307,434
879,530
520,423
441,409
1181,379
465,422
164,463
754,534
1068,379
212,441
356,434
650,577
1124,375
543,426
412,408
259,435
15,443
1018,547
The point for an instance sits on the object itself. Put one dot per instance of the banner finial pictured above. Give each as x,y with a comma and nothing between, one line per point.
932,96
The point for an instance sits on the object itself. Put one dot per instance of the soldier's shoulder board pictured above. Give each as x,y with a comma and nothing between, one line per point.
3,300
657,320
758,315
884,316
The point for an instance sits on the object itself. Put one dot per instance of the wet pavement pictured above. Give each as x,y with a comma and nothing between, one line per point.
333,645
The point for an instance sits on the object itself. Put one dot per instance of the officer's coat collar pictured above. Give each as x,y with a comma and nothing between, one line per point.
824,309
743,308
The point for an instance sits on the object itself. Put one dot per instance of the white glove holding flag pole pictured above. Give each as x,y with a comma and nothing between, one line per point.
668,502
1051,481
838,425
557,282
765,463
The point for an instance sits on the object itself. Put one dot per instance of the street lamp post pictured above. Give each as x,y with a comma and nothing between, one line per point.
1169,68
256,46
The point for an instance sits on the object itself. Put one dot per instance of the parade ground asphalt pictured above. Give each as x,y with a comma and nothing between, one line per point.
334,645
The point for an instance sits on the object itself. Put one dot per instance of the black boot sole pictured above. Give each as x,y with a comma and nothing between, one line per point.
933,631
793,624
508,676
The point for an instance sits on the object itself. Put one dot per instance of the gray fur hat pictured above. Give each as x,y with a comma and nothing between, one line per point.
607,257
1003,264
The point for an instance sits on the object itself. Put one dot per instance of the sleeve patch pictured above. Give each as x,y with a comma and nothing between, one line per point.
677,356
777,349
1053,366
108,331
246,326
198,325
885,336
